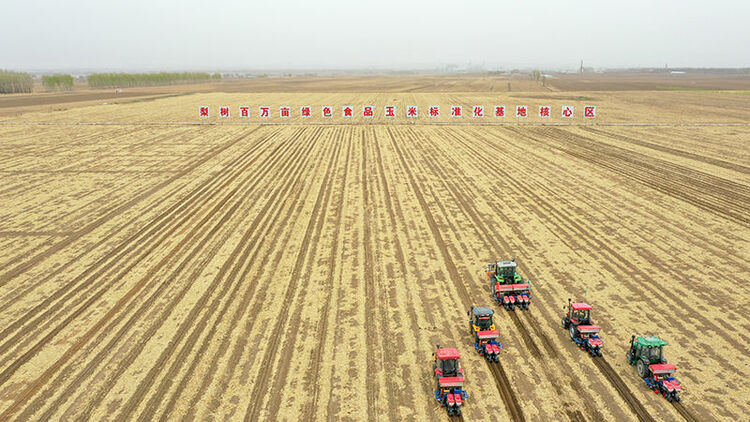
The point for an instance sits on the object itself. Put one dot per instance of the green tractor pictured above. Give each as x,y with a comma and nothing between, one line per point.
647,355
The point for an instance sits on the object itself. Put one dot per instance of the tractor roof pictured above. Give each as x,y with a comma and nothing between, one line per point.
502,264
580,306
447,353
483,311
650,341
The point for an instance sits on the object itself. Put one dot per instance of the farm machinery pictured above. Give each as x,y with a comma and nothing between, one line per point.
485,334
647,355
508,287
581,328
449,380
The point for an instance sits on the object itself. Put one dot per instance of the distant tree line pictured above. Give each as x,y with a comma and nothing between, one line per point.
115,80
53,82
15,82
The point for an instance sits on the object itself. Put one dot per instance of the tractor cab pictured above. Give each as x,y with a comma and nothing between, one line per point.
483,318
446,361
505,271
579,313
648,349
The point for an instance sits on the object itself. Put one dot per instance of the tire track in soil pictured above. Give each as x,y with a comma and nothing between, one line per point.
250,295
95,163
674,151
308,412
266,366
469,210
671,228
684,412
622,389
685,184
280,375
378,293
614,259
132,240
614,379
70,290
398,249
246,244
140,241
374,350
497,370
43,255
247,296
115,318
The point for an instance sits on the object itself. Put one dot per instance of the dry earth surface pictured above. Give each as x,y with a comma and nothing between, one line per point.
305,270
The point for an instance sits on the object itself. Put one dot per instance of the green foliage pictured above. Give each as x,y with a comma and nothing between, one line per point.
15,82
53,82
119,80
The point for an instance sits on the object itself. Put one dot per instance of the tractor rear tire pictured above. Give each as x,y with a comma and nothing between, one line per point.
642,369
565,324
573,332
629,356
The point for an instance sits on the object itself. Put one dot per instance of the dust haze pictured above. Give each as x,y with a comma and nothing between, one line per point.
298,35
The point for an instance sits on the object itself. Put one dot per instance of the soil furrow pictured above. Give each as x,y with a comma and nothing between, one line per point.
245,298
113,315
38,258
308,413
231,266
308,245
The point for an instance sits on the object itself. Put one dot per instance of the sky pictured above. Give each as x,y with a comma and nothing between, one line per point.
225,35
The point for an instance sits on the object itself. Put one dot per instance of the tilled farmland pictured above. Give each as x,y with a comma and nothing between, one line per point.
307,271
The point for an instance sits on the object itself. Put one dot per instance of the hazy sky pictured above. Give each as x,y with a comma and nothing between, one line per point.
291,34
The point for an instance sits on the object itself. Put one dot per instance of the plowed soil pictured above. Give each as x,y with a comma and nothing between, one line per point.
306,271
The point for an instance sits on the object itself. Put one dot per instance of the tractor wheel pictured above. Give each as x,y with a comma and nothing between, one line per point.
629,356
573,332
565,324
642,369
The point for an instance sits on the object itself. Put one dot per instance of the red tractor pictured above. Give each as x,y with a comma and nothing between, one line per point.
581,328
449,380
508,287
485,334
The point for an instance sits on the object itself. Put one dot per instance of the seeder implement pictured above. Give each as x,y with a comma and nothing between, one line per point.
662,381
508,287
449,380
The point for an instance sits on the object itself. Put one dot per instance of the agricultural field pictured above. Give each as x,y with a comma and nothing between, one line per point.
158,266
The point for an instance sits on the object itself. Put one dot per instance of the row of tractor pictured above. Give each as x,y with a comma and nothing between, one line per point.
511,291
